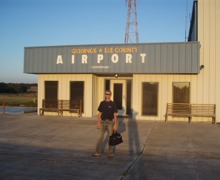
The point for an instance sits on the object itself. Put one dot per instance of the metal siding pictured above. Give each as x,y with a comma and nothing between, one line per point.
175,58
182,55
157,58
188,59
195,57
163,58
135,66
169,59
160,58
26,63
152,59
139,66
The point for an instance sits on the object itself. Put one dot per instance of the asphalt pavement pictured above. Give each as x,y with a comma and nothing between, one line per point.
51,147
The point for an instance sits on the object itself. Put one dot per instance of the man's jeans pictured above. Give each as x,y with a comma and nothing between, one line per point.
104,126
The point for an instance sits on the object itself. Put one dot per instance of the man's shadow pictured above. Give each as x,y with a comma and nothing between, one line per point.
133,135
135,149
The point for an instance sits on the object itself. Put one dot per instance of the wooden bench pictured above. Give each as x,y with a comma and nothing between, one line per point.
60,106
70,106
190,110
71,111
49,105
42,110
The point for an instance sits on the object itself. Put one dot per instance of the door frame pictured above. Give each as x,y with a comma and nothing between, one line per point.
121,112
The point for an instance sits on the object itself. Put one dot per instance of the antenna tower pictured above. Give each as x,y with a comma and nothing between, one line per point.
186,22
131,34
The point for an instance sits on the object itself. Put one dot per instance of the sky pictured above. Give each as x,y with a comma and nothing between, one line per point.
30,23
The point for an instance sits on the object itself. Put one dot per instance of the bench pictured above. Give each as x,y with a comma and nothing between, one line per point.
71,107
42,110
60,106
71,111
190,110
49,105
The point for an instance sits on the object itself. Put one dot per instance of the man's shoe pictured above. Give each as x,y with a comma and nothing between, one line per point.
96,155
110,156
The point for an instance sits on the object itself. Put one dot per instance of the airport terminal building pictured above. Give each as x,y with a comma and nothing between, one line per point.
143,77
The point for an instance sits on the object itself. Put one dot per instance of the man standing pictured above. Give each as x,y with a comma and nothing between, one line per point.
107,121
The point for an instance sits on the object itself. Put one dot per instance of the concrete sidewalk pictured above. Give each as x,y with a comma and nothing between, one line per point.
45,147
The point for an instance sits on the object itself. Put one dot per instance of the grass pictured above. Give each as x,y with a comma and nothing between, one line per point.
26,99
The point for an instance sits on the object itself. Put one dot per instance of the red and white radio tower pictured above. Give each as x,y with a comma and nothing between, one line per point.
131,34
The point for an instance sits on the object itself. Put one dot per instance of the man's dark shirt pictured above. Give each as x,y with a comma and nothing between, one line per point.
107,108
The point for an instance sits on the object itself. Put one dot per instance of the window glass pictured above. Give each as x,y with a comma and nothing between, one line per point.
51,90
150,98
118,89
51,94
181,92
76,94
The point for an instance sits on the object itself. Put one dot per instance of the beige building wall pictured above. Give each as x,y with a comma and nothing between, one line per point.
99,87
205,86
64,89
164,93
209,37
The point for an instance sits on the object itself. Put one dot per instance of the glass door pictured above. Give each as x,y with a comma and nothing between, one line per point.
118,88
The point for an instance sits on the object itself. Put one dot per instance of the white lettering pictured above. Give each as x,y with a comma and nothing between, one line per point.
59,59
84,59
100,58
73,59
128,58
143,57
114,58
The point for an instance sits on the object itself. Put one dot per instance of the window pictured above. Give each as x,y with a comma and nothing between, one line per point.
118,89
181,92
150,98
51,94
51,90
76,94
